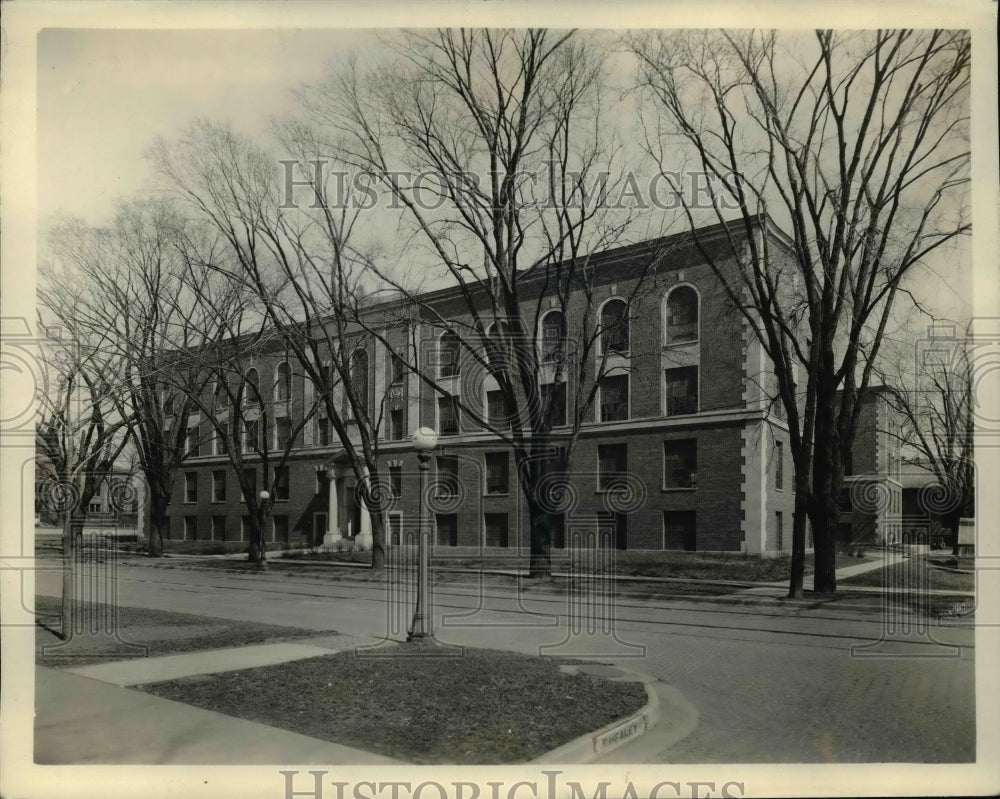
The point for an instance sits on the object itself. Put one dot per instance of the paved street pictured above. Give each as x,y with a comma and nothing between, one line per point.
810,683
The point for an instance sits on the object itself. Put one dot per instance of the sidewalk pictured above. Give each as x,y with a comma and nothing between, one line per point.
86,721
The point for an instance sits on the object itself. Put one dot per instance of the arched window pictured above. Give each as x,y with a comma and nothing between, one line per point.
498,344
449,350
682,315
282,382
359,377
251,388
553,336
614,327
219,399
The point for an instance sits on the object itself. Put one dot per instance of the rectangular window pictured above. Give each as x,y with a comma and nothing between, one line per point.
282,433
496,529
396,481
190,486
497,473
219,486
447,529
447,475
323,432
193,443
396,427
448,415
398,367
554,401
779,522
244,528
219,439
190,528
251,435
497,412
218,528
621,531
559,530
395,528
250,478
779,465
680,463
614,398
280,532
612,463
682,390
680,530
281,483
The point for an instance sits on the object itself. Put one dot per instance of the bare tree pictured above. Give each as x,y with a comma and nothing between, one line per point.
78,435
252,419
303,275
124,285
495,147
858,142
936,426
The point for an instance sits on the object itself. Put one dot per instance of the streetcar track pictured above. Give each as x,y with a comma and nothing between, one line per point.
676,627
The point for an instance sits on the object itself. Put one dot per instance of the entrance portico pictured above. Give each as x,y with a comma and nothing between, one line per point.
347,517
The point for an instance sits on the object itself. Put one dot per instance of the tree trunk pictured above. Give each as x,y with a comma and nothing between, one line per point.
825,541
824,500
68,552
540,520
158,528
258,546
953,522
378,539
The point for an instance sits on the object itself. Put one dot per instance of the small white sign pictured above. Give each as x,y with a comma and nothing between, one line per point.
616,736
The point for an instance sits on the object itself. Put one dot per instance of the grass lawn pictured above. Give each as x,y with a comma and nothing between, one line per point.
161,632
915,573
485,707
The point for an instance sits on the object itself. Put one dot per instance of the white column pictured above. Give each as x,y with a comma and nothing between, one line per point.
365,539
333,529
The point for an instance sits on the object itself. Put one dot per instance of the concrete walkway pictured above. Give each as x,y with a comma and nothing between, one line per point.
141,671
81,720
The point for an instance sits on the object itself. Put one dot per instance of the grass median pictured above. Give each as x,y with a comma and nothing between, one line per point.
916,573
155,632
482,707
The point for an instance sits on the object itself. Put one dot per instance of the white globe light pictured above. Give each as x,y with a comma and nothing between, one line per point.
424,439
264,496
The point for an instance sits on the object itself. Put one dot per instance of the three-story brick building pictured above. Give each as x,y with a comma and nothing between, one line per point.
681,418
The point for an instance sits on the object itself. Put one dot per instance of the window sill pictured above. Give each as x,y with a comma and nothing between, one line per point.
496,494
678,490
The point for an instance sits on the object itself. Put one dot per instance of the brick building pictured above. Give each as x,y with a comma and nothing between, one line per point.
681,418
871,499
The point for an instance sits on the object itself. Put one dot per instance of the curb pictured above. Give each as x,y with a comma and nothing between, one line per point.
588,747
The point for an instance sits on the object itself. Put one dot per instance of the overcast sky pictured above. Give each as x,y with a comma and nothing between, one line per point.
104,95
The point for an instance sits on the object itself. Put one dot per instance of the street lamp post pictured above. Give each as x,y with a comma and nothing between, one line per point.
422,626
262,563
